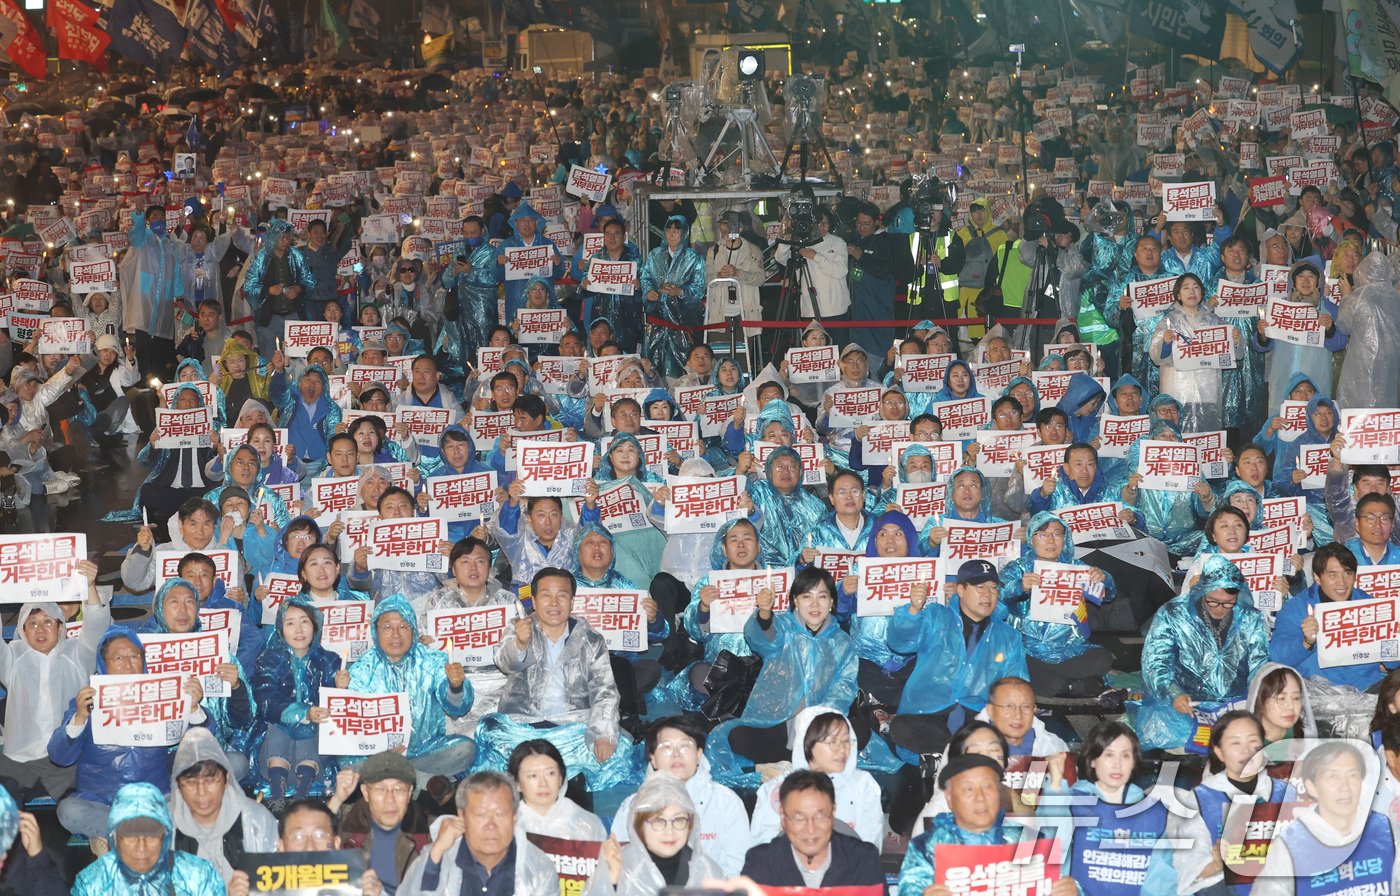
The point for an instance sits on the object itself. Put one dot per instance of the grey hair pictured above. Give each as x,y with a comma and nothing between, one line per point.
483,782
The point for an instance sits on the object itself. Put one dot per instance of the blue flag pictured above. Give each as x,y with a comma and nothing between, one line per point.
267,22
211,41
146,32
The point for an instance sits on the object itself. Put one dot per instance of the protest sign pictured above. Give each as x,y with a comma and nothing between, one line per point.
63,336
541,326
702,504
281,587
994,377
1151,297
962,417
977,541
364,375
614,278
884,583
587,183
345,627
470,635
923,373
574,860
559,469
1295,419
922,502
1261,571
488,426
42,567
1276,540
1356,632
1117,433
682,436
526,262
1314,460
227,567
811,454
999,451
1265,192
1379,581
301,336
1211,448
1101,521
815,364
1284,512
1189,201
854,406
197,654
304,873
1042,465
139,710
409,545
738,589
621,508
424,424
1372,436
1240,299
1169,466
461,498
1298,323
335,494
616,614
556,372
999,870
1060,594
835,561
1208,348
715,412
363,724
189,428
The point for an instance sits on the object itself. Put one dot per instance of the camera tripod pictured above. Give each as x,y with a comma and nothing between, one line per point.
1026,338
800,139
796,278
920,289
748,134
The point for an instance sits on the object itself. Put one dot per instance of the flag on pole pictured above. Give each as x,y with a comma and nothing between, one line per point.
1372,40
333,25
146,32
22,43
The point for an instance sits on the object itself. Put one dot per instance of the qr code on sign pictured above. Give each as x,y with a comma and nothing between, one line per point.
174,731
631,640
393,740
435,562
636,520
1390,649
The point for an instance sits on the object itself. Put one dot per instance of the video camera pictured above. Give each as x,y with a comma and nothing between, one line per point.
1040,218
929,195
800,218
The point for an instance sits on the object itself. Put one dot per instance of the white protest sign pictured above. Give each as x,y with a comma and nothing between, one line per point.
470,635
702,504
139,710
738,590
42,567
884,583
363,724
1357,632
616,614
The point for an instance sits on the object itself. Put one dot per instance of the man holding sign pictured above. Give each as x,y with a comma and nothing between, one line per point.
1297,628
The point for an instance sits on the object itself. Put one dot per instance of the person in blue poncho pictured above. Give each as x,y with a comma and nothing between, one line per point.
1299,387
972,785
968,502
807,661
144,859
287,682
958,382
1104,806
175,611
1081,403
322,575
788,510
639,551
847,527
1060,658
310,417
1078,480
625,309
528,226
1203,646
200,571
1145,263
437,688
102,770
1286,360
244,471
883,671
456,457
176,474
1323,419
1294,640
1172,517
470,309
673,288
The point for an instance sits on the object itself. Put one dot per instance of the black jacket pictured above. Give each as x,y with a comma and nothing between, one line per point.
854,863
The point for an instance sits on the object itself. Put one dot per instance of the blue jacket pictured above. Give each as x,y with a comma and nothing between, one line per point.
918,872
786,518
175,873
285,684
1049,642
945,671
1082,390
103,770
422,674
310,433
1286,645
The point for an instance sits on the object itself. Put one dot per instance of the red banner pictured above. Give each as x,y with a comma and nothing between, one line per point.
25,48
72,23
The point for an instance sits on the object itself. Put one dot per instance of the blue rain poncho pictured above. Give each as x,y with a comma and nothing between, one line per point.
175,873
527,554
828,534
946,393
1268,442
309,433
1286,359
259,495
1082,391
1169,517
665,346
984,509
886,497
421,673
469,314
1102,255
515,289
1286,643
439,466
870,633
1286,461
1068,494
1112,467
1049,642
286,685
1134,356
615,579
1024,381
157,459
918,871
801,668
776,411
624,313
638,552
1245,388
232,716
945,672
254,279
786,517
1183,654
220,409
1205,264
149,280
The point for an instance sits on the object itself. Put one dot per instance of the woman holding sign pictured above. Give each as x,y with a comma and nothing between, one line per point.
1287,358
287,682
1060,658
1289,476
1194,381
807,661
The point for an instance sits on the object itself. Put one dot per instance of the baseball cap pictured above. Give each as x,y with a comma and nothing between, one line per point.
975,572
966,763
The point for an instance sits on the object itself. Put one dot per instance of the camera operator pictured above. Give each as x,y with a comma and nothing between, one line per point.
1059,295
825,268
981,239
878,260
734,256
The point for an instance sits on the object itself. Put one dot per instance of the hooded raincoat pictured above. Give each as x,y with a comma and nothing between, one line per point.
1286,461
309,429
469,314
787,517
534,872
1200,391
421,673
1371,317
515,289
640,876
1049,642
946,669
1168,516
666,346
286,685
242,825
176,873
1186,654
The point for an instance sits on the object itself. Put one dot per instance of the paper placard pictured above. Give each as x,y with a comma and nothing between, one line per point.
189,428
884,583
526,262
470,635
197,654
738,589
559,469
923,373
998,451
1234,300
922,502
363,724
1357,632
42,567
345,628
1211,448
702,504
615,278
853,406
1101,521
977,541
462,498
1060,594
1208,348
1372,436
139,710
963,417
1169,466
541,326
1261,571
301,336
411,545
616,614
1151,297
1117,433
816,364
1314,461
1189,201
621,509
280,589
227,567
1297,323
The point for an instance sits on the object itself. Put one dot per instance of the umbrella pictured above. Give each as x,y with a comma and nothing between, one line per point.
35,107
435,81
1142,571
149,100
175,112
100,123
192,95
259,92
127,88
113,109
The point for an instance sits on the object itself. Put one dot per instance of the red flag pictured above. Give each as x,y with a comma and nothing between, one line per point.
71,21
233,19
24,48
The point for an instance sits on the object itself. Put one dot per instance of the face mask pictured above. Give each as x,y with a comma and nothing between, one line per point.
919,477
474,241
158,228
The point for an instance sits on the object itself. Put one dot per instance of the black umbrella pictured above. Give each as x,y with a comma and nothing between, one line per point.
127,88
435,81
193,95
259,92
102,124
113,109
149,100
34,107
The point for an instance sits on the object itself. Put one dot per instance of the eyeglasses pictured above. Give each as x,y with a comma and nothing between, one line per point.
1376,518
405,270
1218,604
676,747
320,835
802,821
1019,709
679,823
41,623
390,788
849,492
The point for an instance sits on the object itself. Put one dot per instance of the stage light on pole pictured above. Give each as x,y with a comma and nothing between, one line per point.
750,65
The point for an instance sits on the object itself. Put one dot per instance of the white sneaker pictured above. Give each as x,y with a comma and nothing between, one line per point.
73,478
55,486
